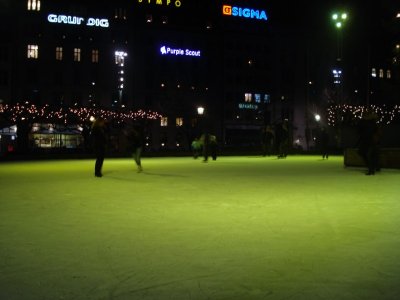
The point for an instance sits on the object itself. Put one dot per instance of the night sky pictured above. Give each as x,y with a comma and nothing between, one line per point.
370,23
367,19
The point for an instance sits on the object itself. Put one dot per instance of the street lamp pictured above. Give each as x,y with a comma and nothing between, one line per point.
339,19
199,121
200,110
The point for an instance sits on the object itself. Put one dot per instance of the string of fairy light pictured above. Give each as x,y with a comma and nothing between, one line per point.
32,112
336,114
343,113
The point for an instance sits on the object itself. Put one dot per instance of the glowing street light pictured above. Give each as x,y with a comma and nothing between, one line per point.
339,19
200,110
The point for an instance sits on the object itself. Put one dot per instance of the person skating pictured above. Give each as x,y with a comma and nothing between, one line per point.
205,142
135,136
213,145
267,140
283,138
324,143
99,138
196,148
369,140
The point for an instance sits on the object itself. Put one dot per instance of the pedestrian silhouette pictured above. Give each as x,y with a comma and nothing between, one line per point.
205,142
213,145
196,148
135,136
283,139
99,140
267,140
369,141
324,143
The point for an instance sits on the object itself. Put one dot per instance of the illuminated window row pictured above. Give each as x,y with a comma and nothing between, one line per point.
178,122
33,5
120,13
33,53
149,19
257,98
381,73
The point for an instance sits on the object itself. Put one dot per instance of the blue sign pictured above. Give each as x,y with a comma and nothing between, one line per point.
249,13
74,20
165,50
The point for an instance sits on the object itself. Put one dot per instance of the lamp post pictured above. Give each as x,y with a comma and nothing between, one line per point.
200,110
339,20
120,62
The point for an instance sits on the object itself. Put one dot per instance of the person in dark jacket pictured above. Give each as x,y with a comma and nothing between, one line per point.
283,139
213,145
369,142
267,140
99,139
135,136
324,143
205,142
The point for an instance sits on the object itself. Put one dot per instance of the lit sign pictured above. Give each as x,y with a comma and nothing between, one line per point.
73,20
248,106
249,13
176,3
179,52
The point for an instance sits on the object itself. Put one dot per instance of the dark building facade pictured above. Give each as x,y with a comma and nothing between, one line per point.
244,67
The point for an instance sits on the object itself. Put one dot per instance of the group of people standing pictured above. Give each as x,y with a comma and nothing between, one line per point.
278,138
206,146
275,139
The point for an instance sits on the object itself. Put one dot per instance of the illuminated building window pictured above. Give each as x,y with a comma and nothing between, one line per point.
337,75
373,72
179,122
380,73
120,13
95,56
388,74
34,5
33,51
77,54
247,97
164,121
257,98
59,53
